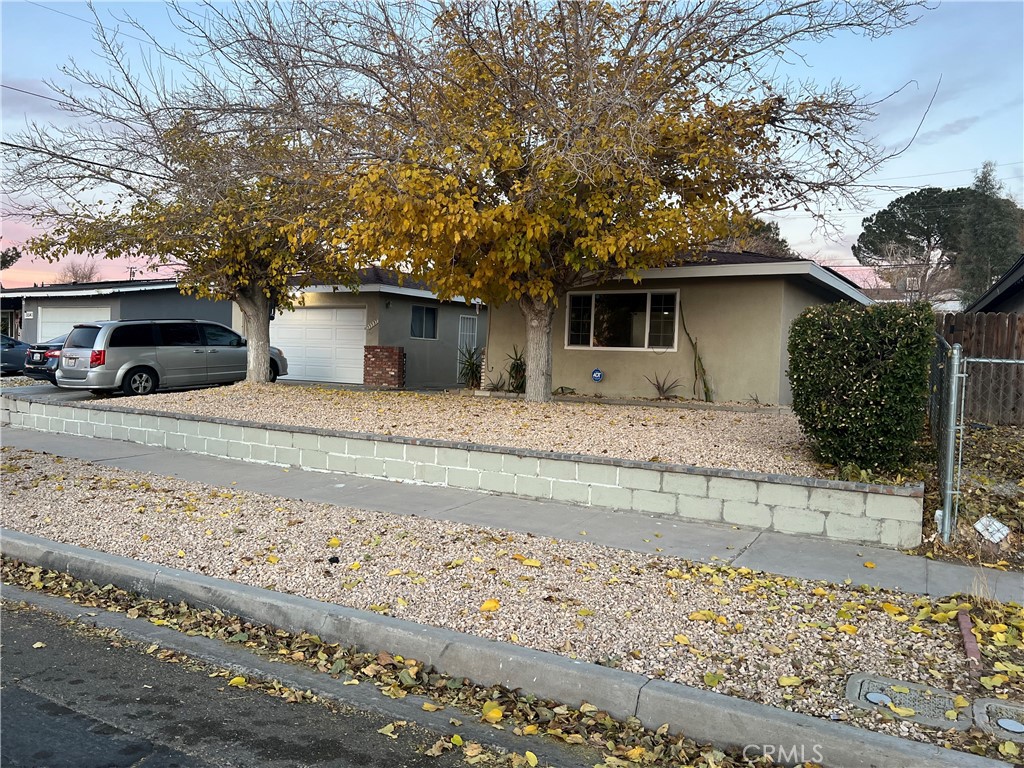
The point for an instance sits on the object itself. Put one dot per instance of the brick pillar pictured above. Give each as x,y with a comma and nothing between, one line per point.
384,367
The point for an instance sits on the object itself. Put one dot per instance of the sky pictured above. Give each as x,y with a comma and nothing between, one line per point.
971,52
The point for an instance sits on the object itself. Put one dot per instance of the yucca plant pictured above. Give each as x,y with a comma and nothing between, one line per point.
470,370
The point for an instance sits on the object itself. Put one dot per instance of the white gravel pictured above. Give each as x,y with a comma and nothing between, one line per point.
758,441
640,612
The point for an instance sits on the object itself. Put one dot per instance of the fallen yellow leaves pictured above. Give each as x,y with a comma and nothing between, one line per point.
869,564
492,712
490,605
334,542
901,711
237,682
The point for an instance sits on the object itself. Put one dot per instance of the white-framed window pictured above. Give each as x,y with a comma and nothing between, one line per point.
424,322
622,320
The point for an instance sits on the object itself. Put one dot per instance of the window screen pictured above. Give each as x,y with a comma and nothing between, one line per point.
424,323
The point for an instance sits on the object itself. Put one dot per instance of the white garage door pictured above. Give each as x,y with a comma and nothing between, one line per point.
322,344
56,321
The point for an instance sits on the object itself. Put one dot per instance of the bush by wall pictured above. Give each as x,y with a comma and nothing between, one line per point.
860,380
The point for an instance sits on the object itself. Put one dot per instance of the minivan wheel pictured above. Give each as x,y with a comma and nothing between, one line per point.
273,372
139,381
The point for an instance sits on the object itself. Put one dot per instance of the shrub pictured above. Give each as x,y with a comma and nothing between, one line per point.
860,380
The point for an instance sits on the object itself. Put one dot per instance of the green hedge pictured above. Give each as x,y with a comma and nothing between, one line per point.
860,380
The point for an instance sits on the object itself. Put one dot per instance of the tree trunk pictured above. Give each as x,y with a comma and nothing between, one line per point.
539,315
255,308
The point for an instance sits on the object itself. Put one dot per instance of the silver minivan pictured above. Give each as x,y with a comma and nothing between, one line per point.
140,356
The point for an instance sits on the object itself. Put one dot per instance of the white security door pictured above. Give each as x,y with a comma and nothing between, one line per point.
322,343
56,321
467,338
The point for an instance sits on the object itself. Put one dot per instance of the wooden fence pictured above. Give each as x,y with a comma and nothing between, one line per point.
994,391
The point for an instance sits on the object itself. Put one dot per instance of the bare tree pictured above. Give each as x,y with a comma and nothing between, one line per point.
203,172
87,271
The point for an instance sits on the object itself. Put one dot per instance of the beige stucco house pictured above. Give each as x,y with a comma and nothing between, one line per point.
610,338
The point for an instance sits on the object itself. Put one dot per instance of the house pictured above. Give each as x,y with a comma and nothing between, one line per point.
1006,294
51,310
390,333
733,309
338,335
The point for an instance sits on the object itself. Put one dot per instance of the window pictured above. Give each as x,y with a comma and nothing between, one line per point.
82,337
424,323
132,336
219,336
180,335
622,320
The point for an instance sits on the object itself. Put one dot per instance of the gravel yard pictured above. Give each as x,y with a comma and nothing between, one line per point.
771,639
755,441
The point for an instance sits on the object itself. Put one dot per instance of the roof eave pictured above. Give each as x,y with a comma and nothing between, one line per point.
807,269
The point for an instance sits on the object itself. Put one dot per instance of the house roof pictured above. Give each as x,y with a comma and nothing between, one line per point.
370,277
750,264
1010,284
101,288
377,279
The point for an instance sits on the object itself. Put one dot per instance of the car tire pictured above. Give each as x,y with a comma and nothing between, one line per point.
140,381
273,372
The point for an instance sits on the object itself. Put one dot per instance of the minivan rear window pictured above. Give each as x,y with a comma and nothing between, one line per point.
83,337
140,335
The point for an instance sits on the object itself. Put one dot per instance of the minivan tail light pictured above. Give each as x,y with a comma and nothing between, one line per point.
52,353
97,357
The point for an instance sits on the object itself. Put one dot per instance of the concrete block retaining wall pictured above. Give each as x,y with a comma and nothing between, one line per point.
858,512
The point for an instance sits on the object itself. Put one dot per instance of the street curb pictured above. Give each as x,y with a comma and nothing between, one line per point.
704,716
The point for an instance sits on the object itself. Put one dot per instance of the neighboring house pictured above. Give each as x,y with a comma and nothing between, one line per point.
737,309
386,334
51,310
10,314
1006,294
340,336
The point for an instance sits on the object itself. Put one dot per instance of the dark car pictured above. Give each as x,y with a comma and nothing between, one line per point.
12,355
42,358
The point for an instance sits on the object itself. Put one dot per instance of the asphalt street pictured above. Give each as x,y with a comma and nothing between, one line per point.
88,699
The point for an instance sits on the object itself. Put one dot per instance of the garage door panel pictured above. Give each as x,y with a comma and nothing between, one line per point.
56,321
322,344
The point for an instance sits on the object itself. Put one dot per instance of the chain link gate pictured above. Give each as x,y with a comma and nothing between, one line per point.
968,393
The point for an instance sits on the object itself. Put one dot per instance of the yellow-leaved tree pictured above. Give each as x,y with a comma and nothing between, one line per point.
513,151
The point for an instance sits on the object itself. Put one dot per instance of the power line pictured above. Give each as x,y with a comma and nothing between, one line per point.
943,173
86,21
31,93
80,161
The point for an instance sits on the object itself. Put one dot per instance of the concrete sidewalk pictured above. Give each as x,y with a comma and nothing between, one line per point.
799,556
